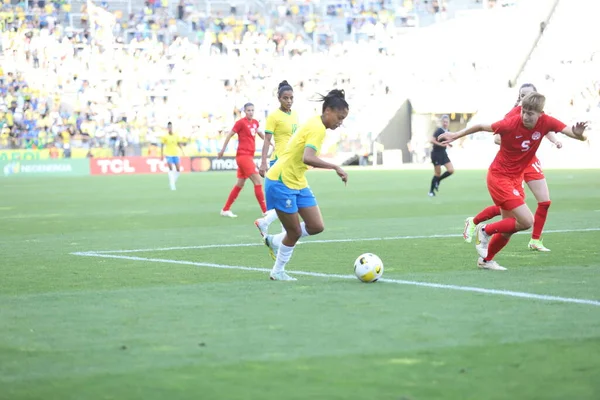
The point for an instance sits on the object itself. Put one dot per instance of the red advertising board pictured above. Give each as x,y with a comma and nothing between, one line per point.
133,165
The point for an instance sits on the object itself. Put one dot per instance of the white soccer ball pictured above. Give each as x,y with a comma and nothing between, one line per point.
368,267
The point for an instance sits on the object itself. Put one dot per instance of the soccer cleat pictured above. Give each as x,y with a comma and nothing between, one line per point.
281,276
431,194
469,230
262,226
493,265
482,240
273,249
228,213
537,245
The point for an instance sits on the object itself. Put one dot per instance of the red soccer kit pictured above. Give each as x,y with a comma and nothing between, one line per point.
534,171
517,152
246,131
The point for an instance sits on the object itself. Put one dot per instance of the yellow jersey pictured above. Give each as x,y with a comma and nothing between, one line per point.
290,169
282,126
171,143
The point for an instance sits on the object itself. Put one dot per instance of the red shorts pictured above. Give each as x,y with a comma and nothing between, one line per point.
506,192
534,171
246,166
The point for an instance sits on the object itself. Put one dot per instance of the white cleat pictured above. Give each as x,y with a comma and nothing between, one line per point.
469,230
228,213
537,245
482,240
262,226
281,276
492,265
273,249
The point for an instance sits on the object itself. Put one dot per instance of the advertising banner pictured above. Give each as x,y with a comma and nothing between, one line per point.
203,164
48,167
133,165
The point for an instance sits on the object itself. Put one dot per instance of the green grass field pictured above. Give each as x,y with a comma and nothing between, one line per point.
177,324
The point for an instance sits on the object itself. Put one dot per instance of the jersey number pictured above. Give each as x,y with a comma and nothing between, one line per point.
537,166
525,145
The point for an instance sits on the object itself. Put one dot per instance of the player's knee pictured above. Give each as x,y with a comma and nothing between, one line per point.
450,170
315,229
295,233
525,223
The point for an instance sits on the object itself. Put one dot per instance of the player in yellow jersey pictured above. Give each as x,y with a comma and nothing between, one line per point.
281,125
286,186
172,142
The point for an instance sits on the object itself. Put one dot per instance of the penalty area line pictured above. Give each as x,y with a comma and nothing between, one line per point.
498,292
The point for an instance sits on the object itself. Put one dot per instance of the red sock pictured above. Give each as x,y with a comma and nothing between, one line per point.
260,196
232,196
540,219
507,225
496,244
487,214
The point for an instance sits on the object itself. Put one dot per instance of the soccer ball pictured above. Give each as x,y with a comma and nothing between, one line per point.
368,267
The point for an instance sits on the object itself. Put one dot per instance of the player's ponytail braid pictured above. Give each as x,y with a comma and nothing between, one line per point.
335,99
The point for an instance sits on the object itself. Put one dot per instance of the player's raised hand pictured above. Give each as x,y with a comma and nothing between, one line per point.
578,130
342,174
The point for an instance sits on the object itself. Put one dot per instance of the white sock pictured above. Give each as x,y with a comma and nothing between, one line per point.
304,231
270,216
276,240
176,174
283,256
171,177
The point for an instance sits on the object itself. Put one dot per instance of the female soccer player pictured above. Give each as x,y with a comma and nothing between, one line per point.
281,124
533,177
171,141
520,138
287,189
439,157
246,128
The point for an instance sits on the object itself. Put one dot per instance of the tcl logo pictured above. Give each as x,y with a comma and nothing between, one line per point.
156,165
115,166
133,165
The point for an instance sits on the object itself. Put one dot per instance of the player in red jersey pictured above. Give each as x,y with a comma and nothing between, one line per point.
535,180
521,136
246,128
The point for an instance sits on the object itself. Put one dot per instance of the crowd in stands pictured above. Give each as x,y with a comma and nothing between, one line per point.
78,87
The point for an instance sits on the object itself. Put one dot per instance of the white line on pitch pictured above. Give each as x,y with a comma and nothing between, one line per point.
213,246
321,275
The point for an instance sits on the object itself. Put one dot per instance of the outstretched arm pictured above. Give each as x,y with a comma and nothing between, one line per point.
576,131
451,136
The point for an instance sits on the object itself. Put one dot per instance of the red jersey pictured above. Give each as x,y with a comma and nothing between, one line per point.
519,144
246,131
515,111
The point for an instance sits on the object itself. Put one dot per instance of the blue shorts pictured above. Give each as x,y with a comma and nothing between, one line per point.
272,162
172,159
282,198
